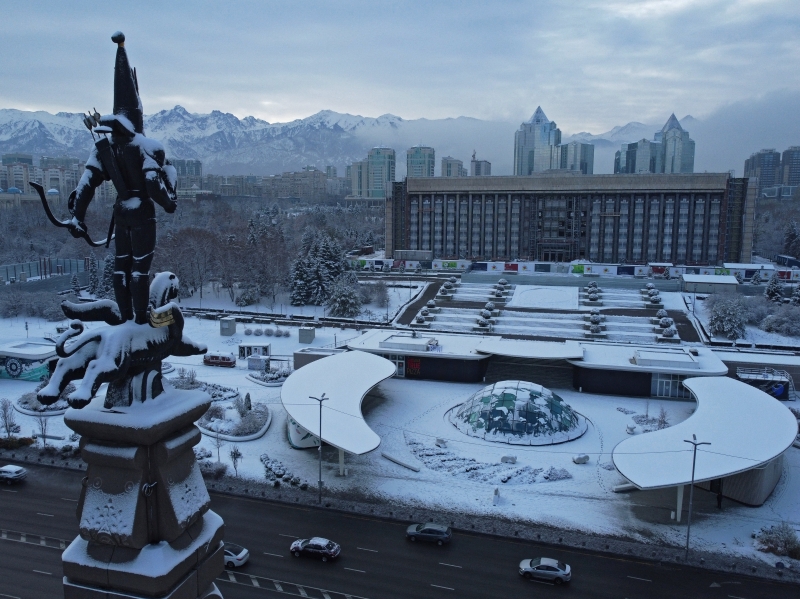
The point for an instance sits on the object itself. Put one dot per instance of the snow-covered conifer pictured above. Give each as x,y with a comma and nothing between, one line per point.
94,280
756,278
774,290
795,300
298,283
738,276
75,285
105,288
728,318
344,299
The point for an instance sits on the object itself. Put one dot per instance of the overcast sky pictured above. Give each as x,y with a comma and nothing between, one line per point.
590,64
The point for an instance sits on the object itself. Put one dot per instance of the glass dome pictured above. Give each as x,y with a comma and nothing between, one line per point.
518,412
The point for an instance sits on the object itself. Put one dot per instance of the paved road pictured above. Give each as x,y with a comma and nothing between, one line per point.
376,561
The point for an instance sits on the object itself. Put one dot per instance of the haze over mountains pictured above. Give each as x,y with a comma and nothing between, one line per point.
229,145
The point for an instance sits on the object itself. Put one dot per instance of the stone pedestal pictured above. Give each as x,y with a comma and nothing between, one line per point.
145,526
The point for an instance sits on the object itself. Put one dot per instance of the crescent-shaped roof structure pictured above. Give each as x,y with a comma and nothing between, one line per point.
344,379
746,428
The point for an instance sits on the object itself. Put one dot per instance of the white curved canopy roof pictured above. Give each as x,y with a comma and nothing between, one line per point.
345,378
746,428
531,349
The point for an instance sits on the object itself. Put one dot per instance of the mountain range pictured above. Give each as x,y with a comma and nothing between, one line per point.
229,145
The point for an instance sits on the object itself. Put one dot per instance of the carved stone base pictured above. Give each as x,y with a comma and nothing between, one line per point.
145,527
182,569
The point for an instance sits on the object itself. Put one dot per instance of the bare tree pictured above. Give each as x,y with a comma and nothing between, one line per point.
42,421
663,419
217,441
7,420
236,457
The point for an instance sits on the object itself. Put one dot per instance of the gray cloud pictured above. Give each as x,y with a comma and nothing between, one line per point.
591,64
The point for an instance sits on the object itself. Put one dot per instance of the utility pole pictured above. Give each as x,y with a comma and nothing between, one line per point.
319,449
694,443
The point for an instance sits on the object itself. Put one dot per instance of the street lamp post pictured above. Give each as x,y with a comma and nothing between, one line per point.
319,449
694,443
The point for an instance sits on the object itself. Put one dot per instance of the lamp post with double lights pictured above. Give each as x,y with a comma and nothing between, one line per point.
319,449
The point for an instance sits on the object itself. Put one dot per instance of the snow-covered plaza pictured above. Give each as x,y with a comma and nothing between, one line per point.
460,473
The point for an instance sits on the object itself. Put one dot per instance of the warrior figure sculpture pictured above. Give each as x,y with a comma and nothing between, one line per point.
138,169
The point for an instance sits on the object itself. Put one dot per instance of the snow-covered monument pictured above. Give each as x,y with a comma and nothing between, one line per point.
518,412
145,525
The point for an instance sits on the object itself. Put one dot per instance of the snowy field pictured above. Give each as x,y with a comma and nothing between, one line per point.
220,300
544,486
753,333
534,296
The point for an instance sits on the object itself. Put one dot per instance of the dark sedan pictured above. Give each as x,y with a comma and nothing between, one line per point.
316,547
429,531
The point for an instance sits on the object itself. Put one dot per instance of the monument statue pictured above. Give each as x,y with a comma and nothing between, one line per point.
145,525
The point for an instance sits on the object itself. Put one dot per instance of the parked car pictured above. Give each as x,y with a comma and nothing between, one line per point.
323,549
235,555
12,474
219,359
546,568
429,531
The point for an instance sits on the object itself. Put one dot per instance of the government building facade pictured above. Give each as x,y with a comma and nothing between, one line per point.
700,218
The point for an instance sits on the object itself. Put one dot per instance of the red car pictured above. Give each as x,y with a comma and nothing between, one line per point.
219,359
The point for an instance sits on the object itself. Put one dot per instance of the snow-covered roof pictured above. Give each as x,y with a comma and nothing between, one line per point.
345,379
716,279
531,349
756,357
446,346
737,265
746,428
652,358
35,348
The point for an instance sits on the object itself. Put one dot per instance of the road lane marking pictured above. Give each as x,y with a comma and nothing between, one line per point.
255,582
644,579
278,586
441,587
301,590
8,491
448,565
365,549
43,572
325,595
48,515
67,499
288,536
354,570
272,554
9,596
252,580
231,577
735,597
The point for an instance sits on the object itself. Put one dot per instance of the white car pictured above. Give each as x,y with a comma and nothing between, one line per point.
12,474
545,568
235,555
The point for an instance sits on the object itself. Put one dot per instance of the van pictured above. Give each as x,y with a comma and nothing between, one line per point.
219,359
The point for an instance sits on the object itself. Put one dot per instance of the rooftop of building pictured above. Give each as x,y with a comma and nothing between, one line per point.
558,181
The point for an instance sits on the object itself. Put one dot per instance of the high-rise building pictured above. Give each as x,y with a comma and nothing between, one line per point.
574,156
479,168
188,168
670,151
703,218
677,149
358,178
420,161
533,144
17,158
790,166
765,166
452,167
381,172
330,172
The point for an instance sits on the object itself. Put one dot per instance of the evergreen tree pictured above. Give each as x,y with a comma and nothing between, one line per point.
795,300
774,290
738,277
105,289
75,284
319,281
756,278
252,238
791,239
307,240
344,300
728,318
298,283
94,281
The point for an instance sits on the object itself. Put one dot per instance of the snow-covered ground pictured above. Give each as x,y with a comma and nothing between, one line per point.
535,296
753,333
220,300
544,486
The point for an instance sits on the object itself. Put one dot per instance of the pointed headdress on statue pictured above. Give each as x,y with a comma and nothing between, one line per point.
127,111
